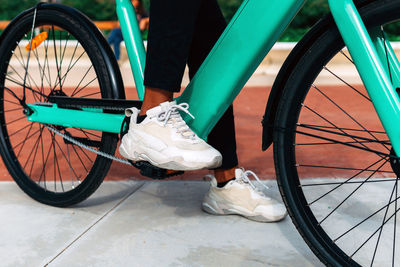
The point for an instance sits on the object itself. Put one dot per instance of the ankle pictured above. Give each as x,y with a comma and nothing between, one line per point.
154,97
224,175
222,184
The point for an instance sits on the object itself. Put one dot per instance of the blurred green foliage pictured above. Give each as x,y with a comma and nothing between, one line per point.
105,10
95,9
9,9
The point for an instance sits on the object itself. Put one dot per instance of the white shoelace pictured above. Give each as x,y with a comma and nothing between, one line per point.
172,116
244,179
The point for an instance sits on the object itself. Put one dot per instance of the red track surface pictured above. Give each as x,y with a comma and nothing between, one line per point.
249,108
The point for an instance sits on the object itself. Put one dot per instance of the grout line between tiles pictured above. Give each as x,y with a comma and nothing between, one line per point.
95,223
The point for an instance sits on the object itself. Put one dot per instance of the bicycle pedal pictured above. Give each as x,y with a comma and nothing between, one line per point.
153,172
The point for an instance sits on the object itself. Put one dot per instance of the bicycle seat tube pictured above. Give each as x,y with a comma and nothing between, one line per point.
133,42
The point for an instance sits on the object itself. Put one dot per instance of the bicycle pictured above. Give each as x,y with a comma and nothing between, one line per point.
58,119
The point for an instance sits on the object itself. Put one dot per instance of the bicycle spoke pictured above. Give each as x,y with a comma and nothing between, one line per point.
346,113
15,120
366,241
31,153
92,94
11,110
42,72
358,187
54,161
354,137
58,169
65,157
379,153
334,143
346,83
346,56
87,156
364,220
64,77
80,82
26,137
46,46
86,133
344,132
34,156
340,168
340,184
86,85
69,66
43,173
349,183
19,76
80,159
11,102
55,55
27,87
343,128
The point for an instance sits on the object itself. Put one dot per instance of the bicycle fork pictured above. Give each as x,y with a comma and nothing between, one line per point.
376,63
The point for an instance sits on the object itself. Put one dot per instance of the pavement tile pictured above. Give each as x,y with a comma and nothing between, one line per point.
162,224
32,233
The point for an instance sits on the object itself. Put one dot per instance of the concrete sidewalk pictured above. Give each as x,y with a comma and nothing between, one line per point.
139,223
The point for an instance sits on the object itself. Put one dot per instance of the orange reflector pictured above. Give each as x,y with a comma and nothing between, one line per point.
36,41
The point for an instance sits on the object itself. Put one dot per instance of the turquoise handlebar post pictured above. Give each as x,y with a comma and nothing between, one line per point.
247,39
371,69
133,41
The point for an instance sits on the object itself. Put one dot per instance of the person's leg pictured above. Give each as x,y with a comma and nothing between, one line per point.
171,29
158,134
209,26
117,42
111,39
238,196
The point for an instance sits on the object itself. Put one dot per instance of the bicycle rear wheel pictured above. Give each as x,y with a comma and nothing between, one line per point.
332,156
62,60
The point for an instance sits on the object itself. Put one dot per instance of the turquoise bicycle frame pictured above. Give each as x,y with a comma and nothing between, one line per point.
235,57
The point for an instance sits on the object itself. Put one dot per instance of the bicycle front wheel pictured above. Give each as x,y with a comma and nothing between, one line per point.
63,59
336,169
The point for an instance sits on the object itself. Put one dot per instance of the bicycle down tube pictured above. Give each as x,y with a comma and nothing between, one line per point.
225,71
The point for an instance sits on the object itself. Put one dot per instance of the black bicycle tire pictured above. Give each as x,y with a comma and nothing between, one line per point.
299,82
108,141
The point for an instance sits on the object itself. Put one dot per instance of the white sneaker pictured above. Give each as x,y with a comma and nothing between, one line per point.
164,139
241,197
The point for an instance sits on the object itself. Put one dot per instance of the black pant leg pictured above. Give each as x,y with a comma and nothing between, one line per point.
210,24
170,35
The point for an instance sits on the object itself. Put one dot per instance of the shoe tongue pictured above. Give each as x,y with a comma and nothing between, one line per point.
160,108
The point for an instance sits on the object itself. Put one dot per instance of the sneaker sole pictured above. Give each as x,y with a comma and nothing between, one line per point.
221,211
159,160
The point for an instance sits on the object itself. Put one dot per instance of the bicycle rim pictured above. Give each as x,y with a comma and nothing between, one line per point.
52,59
333,157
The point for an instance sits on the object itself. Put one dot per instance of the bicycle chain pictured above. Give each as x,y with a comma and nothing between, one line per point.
76,142
81,106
